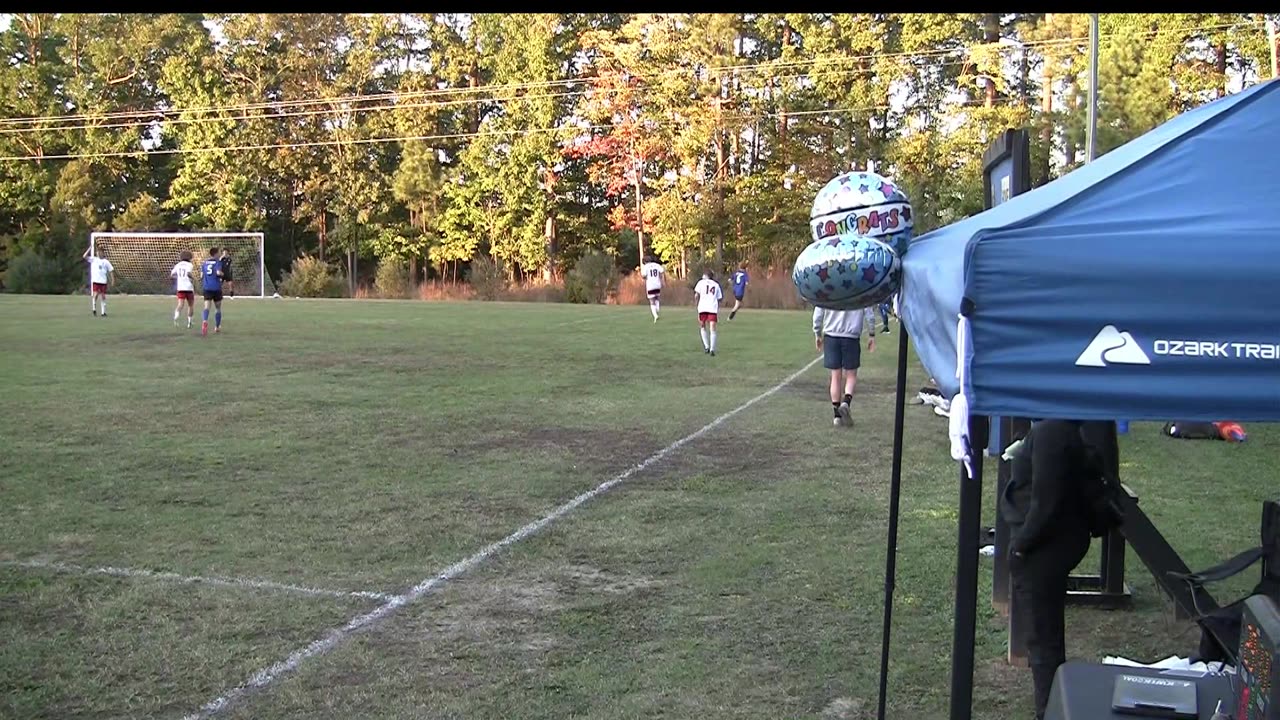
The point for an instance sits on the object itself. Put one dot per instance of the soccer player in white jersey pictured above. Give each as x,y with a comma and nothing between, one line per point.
181,273
101,273
653,280
709,295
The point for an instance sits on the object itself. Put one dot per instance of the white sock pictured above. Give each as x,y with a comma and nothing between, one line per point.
705,344
653,308
175,316
104,306
713,341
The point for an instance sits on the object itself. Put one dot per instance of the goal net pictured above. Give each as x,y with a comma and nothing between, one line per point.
143,260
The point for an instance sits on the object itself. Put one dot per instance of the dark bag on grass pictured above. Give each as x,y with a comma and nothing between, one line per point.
1192,430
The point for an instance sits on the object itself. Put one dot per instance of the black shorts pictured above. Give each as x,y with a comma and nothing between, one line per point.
214,295
739,295
841,353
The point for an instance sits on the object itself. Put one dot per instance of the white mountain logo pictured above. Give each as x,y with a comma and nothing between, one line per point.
1112,346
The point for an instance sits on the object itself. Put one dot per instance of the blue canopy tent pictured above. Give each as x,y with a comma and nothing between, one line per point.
1173,240
1144,285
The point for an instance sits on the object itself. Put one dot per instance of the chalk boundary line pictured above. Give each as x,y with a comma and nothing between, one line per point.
232,582
268,675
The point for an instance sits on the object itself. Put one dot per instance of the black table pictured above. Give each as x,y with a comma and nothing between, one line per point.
1082,691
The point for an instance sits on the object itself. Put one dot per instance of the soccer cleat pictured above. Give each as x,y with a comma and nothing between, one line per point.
837,422
712,353
845,417
217,329
731,314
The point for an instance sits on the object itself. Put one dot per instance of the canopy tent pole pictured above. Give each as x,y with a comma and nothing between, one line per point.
895,487
1091,137
967,527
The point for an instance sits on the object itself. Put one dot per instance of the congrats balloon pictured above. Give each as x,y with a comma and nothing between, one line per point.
847,272
864,204
862,226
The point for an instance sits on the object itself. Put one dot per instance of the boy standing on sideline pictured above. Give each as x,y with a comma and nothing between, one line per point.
708,294
838,334
101,272
653,274
740,280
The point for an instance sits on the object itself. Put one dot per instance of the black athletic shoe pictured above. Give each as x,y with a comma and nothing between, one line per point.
712,353
731,314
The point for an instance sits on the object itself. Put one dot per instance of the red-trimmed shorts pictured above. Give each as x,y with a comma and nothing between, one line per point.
100,288
188,295
706,317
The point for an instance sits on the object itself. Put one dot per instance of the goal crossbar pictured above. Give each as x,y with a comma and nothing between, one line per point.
143,260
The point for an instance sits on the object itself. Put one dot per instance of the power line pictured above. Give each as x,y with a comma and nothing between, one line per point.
567,129
401,106
152,114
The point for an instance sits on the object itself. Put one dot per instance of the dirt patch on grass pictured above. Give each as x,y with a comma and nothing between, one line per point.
844,709
757,455
509,617
620,445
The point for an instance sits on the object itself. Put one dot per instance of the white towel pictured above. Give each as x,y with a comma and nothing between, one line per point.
958,413
958,430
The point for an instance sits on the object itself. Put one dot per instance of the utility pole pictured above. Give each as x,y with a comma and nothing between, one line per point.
639,209
1091,134
1275,48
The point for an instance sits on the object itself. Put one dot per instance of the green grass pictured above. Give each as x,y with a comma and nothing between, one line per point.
368,445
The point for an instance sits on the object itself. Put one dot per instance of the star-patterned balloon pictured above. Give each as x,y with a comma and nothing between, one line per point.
861,226
854,273
865,204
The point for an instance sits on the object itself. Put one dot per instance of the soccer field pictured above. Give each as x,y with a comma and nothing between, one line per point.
406,510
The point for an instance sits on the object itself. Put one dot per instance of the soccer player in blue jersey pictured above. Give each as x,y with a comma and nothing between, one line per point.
211,271
740,280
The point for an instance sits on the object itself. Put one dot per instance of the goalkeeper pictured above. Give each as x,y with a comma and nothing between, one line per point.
225,262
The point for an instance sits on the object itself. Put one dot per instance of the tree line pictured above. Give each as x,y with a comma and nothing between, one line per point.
432,140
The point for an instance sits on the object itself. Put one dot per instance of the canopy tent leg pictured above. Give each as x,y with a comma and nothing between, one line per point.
895,487
969,522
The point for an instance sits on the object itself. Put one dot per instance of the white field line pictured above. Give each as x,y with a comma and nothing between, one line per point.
243,583
268,675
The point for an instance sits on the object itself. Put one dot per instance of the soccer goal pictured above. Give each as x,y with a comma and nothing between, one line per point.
143,260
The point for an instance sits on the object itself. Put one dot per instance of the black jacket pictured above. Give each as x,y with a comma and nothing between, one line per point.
1043,496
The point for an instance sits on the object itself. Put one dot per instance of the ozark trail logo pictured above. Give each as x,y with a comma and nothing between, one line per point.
1111,346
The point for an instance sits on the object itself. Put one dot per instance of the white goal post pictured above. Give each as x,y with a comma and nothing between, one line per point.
142,260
